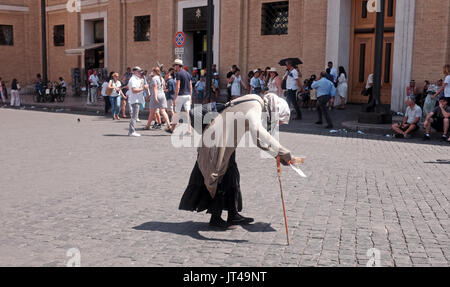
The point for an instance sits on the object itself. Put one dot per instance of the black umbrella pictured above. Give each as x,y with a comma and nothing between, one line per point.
295,61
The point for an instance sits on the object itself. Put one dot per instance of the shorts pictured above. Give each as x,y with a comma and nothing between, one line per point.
438,124
170,105
406,127
183,102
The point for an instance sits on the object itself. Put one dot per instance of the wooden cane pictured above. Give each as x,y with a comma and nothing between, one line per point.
282,198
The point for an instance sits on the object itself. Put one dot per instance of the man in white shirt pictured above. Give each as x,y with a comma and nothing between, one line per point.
333,72
411,120
293,83
136,87
93,88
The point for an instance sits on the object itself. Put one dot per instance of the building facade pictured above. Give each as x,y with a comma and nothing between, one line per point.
115,34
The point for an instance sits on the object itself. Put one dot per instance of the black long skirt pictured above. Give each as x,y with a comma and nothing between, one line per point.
228,197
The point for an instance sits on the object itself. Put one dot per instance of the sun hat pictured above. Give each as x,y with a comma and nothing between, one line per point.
178,62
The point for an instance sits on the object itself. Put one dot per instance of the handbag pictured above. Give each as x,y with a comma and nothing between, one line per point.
365,92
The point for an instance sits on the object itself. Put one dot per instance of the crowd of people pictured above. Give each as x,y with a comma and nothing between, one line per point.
167,93
432,105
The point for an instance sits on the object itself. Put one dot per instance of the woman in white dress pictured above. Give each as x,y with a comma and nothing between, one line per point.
342,89
236,83
275,82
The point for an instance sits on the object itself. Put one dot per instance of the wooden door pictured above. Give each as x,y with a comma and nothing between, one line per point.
363,50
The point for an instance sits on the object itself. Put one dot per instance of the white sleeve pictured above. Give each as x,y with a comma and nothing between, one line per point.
447,80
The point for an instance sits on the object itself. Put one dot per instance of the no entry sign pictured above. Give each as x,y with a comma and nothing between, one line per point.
180,39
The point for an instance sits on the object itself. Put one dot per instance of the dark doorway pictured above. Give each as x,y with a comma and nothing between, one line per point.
200,48
95,58
195,27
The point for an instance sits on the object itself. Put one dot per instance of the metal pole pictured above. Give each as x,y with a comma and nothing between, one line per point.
44,43
209,52
379,41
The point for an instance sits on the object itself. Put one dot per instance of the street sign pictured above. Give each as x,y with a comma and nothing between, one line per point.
180,39
179,51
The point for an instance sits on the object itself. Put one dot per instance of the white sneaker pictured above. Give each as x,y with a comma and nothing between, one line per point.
134,135
138,120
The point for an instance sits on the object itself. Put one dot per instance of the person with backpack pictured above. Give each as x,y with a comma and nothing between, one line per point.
170,92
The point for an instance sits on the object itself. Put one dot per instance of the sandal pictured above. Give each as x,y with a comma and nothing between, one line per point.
147,128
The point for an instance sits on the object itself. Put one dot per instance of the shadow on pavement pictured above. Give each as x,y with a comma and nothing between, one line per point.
190,228
115,135
259,227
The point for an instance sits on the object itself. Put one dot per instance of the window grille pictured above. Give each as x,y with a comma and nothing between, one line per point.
58,35
275,18
142,28
6,35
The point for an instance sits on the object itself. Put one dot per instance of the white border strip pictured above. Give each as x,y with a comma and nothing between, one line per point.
12,8
83,4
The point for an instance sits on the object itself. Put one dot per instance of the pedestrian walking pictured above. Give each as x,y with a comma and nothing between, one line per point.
237,84
93,88
15,96
136,87
170,92
157,99
326,92
105,96
183,95
116,95
124,100
293,83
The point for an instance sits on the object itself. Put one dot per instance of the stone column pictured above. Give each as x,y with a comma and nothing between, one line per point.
338,33
403,52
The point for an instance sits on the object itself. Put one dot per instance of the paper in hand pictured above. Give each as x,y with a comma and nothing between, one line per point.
299,171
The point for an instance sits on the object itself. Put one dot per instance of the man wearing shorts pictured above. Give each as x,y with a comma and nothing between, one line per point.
411,120
439,120
183,94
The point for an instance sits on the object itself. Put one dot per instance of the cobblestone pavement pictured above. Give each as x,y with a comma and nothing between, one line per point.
88,186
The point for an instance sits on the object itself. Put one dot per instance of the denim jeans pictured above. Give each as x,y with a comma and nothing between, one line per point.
115,105
134,117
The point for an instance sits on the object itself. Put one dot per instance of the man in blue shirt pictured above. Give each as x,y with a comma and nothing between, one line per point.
325,92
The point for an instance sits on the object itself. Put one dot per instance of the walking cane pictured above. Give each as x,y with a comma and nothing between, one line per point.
282,198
